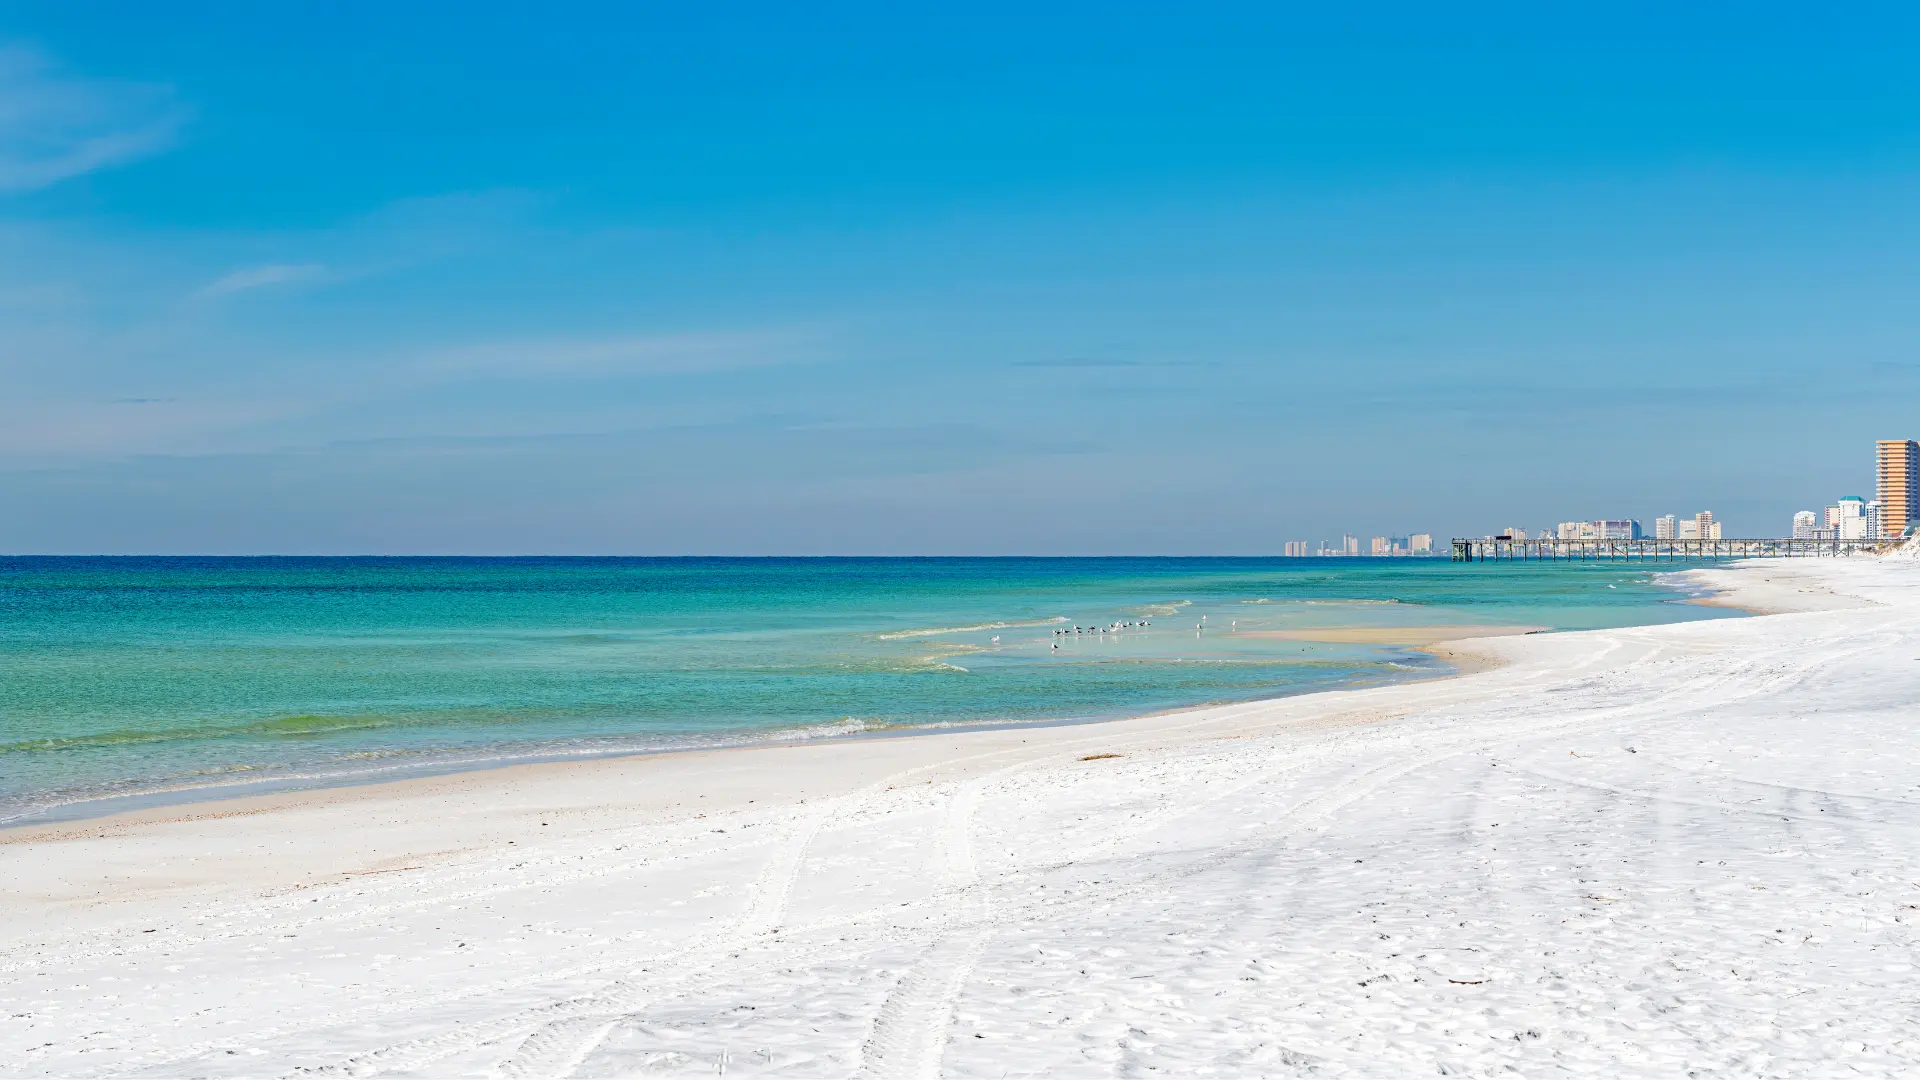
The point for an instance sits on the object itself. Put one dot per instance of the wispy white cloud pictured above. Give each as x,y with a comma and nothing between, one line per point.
254,277
660,354
54,126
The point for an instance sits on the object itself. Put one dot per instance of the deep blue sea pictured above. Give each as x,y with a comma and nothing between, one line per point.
129,679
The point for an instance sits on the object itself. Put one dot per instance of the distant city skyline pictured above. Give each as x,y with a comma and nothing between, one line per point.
1352,546
1895,473
1849,517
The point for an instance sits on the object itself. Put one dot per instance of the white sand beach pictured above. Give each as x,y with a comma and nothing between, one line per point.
1681,850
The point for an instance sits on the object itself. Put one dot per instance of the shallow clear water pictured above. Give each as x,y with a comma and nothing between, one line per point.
126,676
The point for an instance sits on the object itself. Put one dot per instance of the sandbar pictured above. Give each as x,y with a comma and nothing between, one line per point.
1389,635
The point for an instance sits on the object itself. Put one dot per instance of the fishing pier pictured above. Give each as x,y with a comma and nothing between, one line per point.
1502,549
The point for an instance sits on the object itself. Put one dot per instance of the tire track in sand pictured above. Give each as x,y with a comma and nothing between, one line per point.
556,1052
909,1035
556,1037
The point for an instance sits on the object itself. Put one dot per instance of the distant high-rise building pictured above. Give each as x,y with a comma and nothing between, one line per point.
1899,486
1517,534
1876,528
1380,546
1663,527
1705,528
1349,544
1614,529
1687,529
1849,518
1805,522
1420,543
1297,549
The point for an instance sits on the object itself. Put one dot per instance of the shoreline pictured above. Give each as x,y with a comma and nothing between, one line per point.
660,913
1762,593
246,784
287,790
1450,645
1466,655
385,826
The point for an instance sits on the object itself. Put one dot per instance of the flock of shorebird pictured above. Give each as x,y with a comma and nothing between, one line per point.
1110,628
1116,627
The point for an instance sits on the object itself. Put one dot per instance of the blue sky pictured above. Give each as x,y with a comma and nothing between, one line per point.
976,279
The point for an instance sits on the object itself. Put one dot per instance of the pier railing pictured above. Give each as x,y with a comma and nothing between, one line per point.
1547,550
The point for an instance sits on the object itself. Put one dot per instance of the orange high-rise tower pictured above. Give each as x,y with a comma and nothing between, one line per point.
1899,461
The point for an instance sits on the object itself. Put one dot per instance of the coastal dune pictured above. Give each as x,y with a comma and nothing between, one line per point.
1681,849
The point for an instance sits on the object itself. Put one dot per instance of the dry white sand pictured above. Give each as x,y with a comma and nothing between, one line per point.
1688,850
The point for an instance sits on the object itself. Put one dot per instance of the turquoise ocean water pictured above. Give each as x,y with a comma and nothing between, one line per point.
126,680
